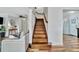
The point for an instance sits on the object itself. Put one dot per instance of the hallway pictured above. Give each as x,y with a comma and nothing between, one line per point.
40,42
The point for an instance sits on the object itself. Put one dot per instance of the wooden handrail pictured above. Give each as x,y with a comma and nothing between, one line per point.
45,18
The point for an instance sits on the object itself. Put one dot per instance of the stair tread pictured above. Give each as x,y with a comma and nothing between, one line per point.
39,38
38,50
42,48
40,26
40,41
39,32
40,29
40,45
42,35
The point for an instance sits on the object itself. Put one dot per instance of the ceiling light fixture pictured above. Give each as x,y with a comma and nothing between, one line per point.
71,11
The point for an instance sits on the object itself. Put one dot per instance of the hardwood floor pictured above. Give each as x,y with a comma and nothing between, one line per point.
71,41
40,43
71,44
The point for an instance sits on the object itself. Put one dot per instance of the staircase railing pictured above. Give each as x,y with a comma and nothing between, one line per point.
45,18
46,24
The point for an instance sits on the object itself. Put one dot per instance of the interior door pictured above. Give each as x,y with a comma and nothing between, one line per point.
73,25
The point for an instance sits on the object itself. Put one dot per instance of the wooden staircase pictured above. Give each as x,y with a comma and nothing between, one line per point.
40,40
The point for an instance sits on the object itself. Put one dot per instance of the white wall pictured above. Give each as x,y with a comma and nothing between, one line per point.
39,9
31,25
55,26
45,9
46,12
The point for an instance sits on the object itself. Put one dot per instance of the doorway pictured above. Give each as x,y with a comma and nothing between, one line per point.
71,23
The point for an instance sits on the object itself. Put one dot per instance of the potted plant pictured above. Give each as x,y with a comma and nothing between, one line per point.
3,31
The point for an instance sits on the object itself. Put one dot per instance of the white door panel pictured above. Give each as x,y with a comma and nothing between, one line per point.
73,25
